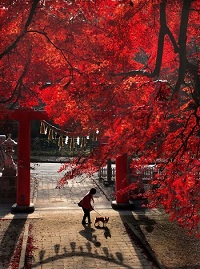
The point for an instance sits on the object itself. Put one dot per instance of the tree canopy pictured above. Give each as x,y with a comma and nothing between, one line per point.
129,69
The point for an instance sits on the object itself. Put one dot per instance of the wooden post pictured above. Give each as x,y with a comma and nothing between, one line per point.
122,201
121,177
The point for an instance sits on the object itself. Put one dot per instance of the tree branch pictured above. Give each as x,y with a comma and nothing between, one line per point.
174,43
17,88
163,31
28,22
161,36
55,46
193,70
182,43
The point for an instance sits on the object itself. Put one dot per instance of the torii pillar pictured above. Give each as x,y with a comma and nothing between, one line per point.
122,201
24,117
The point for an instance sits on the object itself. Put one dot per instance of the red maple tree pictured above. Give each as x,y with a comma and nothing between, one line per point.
129,69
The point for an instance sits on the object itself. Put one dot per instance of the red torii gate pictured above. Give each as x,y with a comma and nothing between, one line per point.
24,117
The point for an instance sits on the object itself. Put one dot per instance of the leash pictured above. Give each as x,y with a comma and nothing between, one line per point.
97,212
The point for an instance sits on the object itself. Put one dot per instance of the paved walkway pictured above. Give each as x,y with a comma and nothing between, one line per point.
44,193
53,237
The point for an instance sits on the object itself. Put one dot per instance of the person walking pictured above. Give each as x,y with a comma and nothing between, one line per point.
85,203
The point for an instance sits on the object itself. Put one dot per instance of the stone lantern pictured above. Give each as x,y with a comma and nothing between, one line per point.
10,168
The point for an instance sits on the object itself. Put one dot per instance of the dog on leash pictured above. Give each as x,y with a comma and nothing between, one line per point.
103,220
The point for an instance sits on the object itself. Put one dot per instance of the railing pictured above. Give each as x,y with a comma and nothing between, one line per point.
145,174
102,173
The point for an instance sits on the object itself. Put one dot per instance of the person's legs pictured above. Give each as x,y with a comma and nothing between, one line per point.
86,215
89,220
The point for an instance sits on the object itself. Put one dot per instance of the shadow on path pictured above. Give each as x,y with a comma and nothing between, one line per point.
88,234
78,251
5,209
89,253
132,226
11,238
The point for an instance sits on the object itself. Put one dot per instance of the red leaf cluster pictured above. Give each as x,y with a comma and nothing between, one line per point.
127,68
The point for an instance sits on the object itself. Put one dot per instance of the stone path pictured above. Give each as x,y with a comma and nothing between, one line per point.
53,237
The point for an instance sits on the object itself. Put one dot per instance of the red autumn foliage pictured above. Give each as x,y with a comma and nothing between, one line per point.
127,68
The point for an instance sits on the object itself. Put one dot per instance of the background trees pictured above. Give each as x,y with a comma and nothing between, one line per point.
127,68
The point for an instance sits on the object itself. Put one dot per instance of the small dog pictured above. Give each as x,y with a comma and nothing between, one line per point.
101,219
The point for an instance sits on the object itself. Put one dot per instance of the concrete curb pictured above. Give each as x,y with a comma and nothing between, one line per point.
24,244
